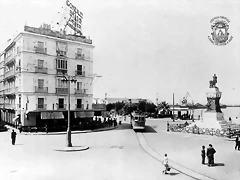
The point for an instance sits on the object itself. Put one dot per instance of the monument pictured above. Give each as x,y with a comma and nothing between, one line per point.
213,117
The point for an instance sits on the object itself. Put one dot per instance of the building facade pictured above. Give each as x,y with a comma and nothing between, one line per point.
31,71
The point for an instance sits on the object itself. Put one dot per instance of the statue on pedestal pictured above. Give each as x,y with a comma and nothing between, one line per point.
213,97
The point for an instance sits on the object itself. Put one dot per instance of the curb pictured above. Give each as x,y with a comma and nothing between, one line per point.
73,132
73,149
145,146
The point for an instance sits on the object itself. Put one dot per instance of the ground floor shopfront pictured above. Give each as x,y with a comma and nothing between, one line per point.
54,120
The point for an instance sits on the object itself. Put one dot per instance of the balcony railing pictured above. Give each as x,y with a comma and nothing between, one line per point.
39,69
61,53
10,74
61,106
79,56
41,89
12,90
10,58
80,91
40,50
80,73
79,106
61,90
41,106
61,71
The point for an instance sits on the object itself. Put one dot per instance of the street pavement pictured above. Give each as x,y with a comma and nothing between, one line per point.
184,149
112,155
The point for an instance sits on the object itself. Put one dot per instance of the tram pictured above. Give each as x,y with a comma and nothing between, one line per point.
138,121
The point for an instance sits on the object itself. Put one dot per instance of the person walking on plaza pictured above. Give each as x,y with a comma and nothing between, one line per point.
167,126
237,143
203,154
13,137
165,164
210,154
20,127
46,128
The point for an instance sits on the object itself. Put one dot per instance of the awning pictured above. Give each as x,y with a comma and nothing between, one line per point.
52,115
83,114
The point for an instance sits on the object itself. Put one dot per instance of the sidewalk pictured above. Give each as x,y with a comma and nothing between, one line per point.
61,133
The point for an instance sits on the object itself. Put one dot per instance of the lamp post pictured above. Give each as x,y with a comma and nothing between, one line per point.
68,80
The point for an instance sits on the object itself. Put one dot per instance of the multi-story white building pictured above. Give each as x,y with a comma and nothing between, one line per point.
31,72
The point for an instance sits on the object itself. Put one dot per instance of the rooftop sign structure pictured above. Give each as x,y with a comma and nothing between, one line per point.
75,19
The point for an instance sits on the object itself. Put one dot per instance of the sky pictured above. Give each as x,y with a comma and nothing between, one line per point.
146,49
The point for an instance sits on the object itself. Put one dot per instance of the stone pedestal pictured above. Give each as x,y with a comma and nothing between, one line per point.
213,117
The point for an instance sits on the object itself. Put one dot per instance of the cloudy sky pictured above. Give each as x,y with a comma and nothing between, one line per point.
146,47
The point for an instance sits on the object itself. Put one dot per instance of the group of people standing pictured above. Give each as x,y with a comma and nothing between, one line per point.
210,155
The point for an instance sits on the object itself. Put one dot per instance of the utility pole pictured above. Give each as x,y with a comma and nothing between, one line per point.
68,80
173,109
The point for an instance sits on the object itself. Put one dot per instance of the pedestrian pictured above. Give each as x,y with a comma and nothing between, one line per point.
210,154
13,137
203,154
120,120
165,164
167,126
46,128
20,128
237,143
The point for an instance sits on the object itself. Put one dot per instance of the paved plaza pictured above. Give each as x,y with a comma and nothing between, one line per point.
184,149
112,155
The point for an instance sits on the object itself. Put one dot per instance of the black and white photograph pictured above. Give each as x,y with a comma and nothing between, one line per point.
120,89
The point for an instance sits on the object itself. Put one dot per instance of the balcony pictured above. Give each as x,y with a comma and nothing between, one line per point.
9,74
39,69
41,106
79,106
62,71
40,50
61,90
12,90
79,56
10,59
80,73
80,91
41,89
61,53
61,106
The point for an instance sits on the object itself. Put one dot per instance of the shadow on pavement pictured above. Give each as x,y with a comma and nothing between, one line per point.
18,144
123,126
219,164
173,174
149,129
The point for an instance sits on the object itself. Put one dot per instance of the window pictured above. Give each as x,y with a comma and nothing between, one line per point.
60,103
61,84
79,70
41,101
79,85
40,44
61,64
40,83
79,51
40,63
79,103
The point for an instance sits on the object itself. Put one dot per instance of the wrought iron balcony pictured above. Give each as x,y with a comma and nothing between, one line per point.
79,106
61,90
39,69
10,74
10,59
80,91
62,71
41,106
61,106
79,56
40,50
12,90
41,89
61,53
80,73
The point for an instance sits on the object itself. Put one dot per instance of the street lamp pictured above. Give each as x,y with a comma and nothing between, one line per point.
68,80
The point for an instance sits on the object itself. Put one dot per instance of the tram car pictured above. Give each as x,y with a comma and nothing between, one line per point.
138,121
